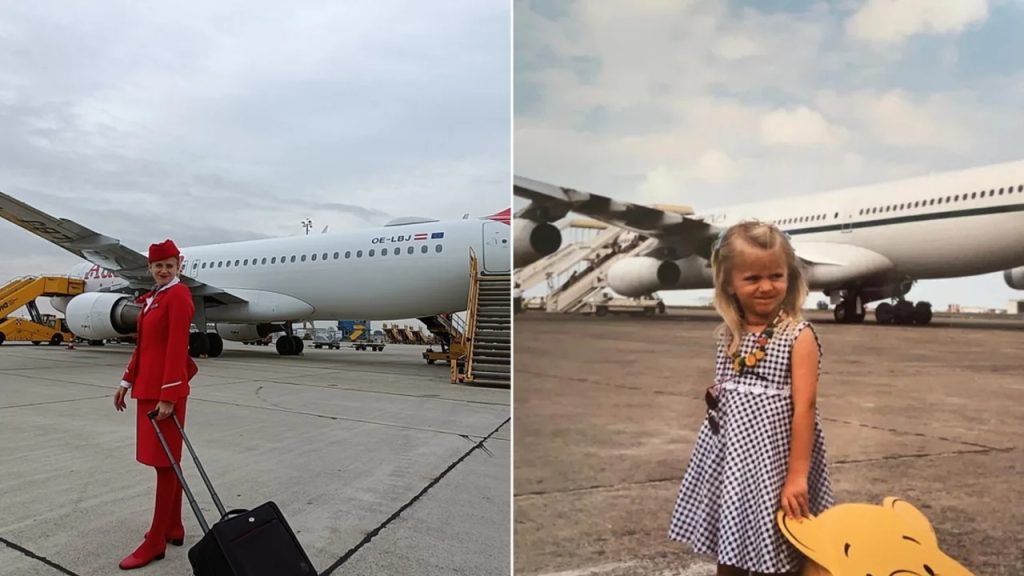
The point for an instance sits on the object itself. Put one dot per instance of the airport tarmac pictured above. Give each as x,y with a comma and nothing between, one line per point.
378,462
607,410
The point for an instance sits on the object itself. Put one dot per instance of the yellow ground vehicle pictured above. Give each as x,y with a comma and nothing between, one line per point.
53,330
38,328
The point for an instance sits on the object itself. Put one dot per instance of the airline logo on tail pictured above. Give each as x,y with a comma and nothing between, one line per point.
505,216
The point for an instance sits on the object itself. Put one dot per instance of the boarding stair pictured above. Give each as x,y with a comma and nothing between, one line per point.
486,344
569,256
22,293
573,293
393,334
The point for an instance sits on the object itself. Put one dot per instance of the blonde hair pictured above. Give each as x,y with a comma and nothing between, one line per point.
761,236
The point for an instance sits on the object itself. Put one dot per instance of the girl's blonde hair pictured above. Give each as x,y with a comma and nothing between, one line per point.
761,236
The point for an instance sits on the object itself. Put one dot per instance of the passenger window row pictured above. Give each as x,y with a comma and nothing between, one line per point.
349,254
940,200
907,205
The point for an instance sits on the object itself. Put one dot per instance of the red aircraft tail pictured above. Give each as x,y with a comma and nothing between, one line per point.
505,216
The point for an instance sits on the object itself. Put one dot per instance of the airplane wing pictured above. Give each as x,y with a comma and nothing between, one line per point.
103,250
676,229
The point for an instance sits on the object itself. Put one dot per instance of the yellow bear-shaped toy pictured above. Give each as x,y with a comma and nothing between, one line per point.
863,539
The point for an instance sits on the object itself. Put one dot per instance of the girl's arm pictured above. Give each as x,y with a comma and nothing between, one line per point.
805,391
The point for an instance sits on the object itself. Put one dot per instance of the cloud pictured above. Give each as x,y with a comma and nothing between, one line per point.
798,127
239,119
892,22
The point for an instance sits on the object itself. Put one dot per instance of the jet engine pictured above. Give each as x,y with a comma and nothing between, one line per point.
100,315
247,332
642,275
1015,277
534,240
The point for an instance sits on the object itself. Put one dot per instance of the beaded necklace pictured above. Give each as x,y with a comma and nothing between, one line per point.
742,364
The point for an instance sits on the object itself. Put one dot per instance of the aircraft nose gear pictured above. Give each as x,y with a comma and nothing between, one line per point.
846,312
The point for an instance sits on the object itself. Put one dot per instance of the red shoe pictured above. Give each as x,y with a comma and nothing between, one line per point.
176,537
141,557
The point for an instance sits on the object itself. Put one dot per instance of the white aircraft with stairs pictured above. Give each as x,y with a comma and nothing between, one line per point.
857,245
410,268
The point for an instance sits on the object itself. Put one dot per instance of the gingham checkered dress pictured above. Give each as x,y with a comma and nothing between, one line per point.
731,490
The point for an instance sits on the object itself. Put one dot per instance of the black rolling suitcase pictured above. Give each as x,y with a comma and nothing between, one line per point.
255,542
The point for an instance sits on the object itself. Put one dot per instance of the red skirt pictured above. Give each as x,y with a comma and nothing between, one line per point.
147,446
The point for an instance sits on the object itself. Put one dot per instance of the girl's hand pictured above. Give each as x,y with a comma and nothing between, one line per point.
794,497
164,409
119,403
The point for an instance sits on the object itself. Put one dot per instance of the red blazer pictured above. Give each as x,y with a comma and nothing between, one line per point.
160,368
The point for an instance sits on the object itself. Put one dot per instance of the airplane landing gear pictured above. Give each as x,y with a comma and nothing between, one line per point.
198,344
846,312
205,344
216,344
904,313
289,345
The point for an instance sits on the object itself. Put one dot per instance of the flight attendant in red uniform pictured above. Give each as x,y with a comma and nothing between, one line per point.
158,377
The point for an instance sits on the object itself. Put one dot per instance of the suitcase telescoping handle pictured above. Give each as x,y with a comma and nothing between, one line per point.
181,477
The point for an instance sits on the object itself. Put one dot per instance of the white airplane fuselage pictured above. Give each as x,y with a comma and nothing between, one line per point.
940,226
386,273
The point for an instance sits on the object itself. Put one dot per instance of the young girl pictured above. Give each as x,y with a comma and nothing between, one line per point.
760,448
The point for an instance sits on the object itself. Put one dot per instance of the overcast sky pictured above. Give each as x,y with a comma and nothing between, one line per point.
707,103
210,122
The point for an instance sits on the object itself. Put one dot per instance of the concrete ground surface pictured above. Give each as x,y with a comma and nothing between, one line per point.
379,464
607,411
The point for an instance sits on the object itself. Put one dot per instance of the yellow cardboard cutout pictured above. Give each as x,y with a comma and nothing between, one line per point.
858,539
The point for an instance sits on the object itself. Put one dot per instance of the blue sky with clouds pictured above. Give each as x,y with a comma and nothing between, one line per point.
714,102
213,122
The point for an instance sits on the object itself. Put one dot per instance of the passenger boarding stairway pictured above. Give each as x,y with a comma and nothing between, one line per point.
22,293
486,344
572,295
561,261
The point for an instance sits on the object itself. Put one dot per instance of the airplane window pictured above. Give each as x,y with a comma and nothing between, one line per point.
325,255
264,261
423,249
1020,188
956,198
359,253
931,202
293,258
302,258
227,264
1001,191
370,253
273,260
336,254
348,254
992,192
313,257
246,262
383,251
948,199
438,248
411,250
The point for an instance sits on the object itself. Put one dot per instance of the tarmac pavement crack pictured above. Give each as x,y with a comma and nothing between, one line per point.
906,433
421,396
37,557
834,463
373,533
329,416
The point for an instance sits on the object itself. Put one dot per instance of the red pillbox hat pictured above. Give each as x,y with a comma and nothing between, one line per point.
162,251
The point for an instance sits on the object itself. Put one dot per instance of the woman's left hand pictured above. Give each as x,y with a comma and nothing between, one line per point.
164,409
794,497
